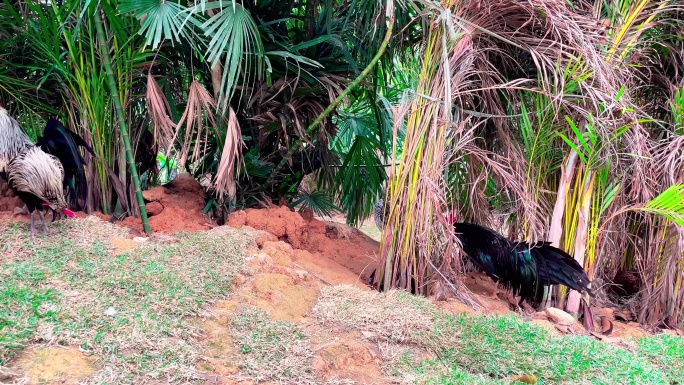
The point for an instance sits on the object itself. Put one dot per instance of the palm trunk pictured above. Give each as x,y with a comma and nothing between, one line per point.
107,61
574,297
556,227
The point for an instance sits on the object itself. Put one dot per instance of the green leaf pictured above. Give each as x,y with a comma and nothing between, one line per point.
573,146
609,196
160,20
318,201
235,39
669,204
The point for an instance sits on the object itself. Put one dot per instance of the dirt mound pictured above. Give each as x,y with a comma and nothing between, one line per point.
7,199
176,206
285,282
321,247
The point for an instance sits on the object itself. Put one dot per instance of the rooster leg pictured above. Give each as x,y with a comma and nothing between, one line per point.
32,230
42,219
20,211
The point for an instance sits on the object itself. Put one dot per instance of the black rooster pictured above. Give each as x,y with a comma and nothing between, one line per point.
523,268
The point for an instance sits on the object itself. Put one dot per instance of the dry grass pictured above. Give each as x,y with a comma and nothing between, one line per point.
83,233
271,350
394,316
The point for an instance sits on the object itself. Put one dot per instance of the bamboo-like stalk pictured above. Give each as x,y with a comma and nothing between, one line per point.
556,226
123,129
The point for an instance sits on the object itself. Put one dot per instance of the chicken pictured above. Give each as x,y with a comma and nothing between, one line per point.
519,266
36,178
13,140
523,268
33,175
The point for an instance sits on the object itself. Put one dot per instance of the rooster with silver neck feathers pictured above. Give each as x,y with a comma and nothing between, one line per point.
526,269
34,176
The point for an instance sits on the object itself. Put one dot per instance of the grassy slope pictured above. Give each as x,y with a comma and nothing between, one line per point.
494,350
59,289
63,289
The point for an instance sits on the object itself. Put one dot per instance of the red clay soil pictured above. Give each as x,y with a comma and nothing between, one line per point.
318,245
180,206
7,199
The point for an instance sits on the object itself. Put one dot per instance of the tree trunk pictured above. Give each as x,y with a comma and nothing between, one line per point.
123,129
217,71
556,227
582,234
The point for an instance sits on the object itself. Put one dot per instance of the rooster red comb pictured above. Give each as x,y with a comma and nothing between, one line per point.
451,218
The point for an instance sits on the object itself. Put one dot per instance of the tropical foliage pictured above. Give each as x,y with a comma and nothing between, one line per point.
556,120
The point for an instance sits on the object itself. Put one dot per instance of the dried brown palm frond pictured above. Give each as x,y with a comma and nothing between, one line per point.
660,261
159,111
292,104
231,158
199,113
530,40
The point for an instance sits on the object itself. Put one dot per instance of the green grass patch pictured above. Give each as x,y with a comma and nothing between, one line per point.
130,310
667,352
504,347
21,307
493,350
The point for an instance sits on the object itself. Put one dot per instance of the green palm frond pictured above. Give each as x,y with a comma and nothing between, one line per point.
235,38
669,204
677,108
318,201
360,179
161,20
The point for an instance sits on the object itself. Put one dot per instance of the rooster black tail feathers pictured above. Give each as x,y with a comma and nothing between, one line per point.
63,143
555,266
